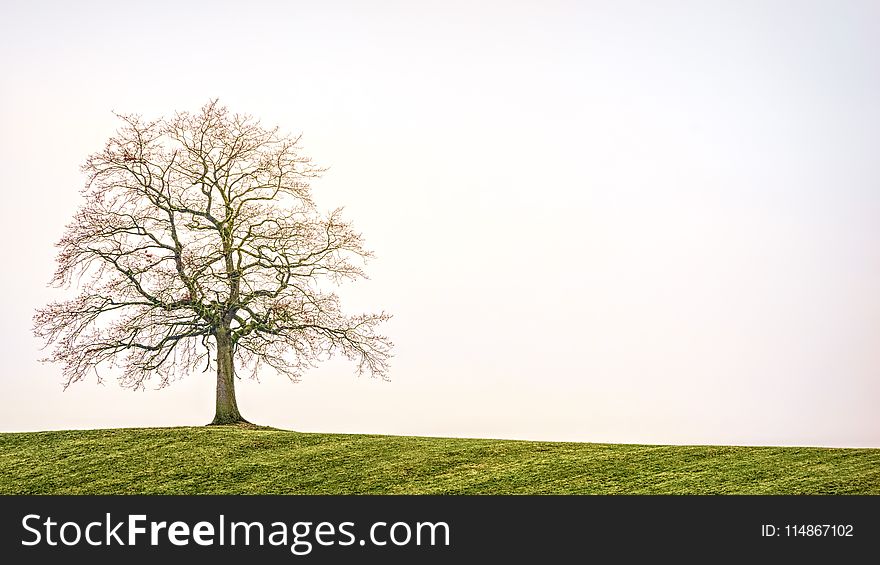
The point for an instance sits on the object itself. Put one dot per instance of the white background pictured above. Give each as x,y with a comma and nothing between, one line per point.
594,221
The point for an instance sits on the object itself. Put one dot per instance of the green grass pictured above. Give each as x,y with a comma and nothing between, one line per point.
230,460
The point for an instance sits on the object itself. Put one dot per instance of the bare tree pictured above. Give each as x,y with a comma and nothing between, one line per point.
198,245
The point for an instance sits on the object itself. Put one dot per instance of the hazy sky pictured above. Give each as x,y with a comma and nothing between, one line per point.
647,222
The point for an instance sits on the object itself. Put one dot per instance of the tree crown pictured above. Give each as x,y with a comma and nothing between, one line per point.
198,226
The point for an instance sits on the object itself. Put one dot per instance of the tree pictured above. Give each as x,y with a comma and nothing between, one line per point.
200,245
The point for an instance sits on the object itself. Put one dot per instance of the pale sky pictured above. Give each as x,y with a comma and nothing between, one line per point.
640,222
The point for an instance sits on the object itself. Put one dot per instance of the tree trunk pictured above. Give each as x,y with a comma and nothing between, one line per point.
227,409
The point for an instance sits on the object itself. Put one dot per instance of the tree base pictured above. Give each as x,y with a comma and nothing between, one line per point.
230,421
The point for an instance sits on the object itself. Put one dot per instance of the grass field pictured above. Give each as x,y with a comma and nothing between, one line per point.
230,460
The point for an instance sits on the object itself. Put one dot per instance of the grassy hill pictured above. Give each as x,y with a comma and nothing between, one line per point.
230,460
